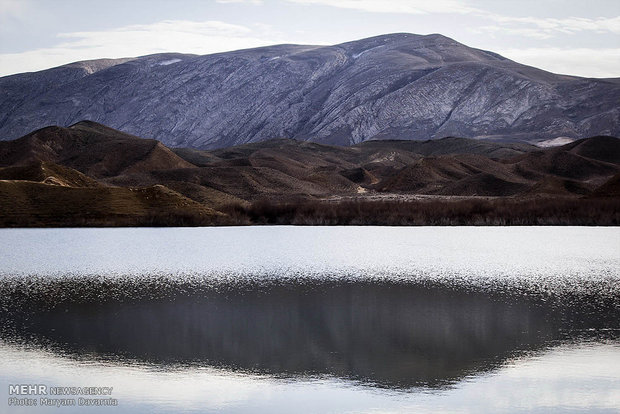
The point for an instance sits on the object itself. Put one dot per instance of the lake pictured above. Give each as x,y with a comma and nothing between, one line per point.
311,319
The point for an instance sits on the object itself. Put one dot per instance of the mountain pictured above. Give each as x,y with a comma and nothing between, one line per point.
48,204
91,174
91,148
394,87
54,177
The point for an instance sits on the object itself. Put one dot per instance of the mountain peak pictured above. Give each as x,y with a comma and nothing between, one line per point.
95,65
392,86
401,39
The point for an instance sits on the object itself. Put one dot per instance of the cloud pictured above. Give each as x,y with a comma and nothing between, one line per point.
167,27
255,2
395,6
12,7
536,27
600,63
504,30
202,37
135,40
12,11
544,28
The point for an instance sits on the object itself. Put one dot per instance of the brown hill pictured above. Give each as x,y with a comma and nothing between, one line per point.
482,184
375,165
568,165
428,174
451,145
601,148
87,159
556,186
24,203
48,173
611,188
90,148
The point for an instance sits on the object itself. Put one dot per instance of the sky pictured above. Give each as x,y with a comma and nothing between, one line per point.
573,37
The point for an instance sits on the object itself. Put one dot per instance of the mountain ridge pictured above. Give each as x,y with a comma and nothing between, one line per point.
395,86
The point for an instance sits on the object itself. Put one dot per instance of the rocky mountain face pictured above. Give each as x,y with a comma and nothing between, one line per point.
397,86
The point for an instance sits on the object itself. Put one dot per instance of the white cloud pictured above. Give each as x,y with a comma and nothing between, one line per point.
202,37
536,27
502,31
10,7
396,6
136,40
544,28
255,2
169,27
14,10
600,63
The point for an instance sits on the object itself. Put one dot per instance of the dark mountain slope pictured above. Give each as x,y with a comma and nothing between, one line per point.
48,173
24,203
610,188
555,186
483,184
397,86
453,145
35,191
88,169
605,149
564,163
91,148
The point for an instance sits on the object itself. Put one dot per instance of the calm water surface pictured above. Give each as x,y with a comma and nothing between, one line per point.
314,319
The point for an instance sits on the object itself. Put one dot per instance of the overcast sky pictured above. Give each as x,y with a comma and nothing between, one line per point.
565,36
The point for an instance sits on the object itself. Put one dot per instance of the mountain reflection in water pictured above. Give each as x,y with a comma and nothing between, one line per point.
387,334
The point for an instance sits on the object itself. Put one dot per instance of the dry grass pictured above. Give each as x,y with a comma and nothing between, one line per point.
29,204
479,212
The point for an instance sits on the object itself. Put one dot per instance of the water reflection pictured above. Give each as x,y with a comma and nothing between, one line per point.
386,334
